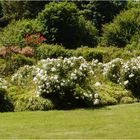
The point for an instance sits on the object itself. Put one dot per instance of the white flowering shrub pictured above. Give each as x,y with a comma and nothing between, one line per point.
21,76
3,83
67,79
112,69
130,74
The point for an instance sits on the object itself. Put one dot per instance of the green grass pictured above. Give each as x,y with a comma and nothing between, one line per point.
119,121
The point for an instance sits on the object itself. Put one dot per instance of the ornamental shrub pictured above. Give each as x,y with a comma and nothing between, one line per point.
32,103
130,75
67,80
111,94
122,29
89,53
112,70
22,76
52,51
20,61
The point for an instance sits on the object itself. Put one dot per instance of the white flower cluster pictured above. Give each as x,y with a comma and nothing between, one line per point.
111,70
3,83
61,75
96,101
19,78
130,73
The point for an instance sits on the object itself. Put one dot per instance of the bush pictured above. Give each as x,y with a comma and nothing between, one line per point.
52,51
62,24
112,70
89,53
20,60
111,94
23,76
130,75
32,103
5,104
124,27
15,32
66,79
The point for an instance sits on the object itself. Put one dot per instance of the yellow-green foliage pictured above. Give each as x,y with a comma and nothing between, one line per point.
113,94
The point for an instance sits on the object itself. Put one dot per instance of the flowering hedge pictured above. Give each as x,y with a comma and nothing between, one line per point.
66,79
21,77
111,70
126,73
130,74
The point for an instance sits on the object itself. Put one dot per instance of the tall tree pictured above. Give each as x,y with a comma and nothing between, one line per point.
22,9
100,12
62,24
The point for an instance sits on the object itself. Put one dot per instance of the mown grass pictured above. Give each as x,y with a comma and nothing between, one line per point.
113,122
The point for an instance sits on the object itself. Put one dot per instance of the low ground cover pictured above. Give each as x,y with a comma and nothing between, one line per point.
112,122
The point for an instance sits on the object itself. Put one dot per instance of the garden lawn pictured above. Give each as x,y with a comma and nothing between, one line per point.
119,121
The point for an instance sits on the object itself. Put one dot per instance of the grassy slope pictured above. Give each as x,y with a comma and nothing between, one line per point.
120,121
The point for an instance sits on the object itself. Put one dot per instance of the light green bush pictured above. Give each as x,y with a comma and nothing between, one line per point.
15,32
111,94
122,29
52,51
32,103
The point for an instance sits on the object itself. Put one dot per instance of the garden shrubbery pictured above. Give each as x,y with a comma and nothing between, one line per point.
111,94
52,51
122,29
126,73
65,79
16,31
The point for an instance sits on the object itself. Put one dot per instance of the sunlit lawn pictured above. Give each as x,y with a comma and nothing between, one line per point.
120,121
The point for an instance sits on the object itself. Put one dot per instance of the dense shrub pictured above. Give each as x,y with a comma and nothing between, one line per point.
32,103
20,60
89,53
111,94
112,70
23,76
15,32
52,51
62,24
5,104
124,27
65,79
130,75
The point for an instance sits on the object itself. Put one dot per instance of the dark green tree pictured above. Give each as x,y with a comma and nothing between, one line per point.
124,28
20,9
62,24
100,12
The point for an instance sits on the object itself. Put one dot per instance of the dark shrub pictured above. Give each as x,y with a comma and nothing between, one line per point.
5,104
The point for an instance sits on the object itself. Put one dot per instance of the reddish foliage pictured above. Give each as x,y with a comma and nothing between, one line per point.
27,51
34,39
